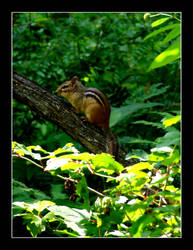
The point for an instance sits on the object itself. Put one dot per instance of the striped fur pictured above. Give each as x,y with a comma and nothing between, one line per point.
92,94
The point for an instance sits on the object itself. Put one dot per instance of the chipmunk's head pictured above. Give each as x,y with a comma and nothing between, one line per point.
68,86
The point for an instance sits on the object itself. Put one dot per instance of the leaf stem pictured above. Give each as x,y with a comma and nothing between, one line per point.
58,175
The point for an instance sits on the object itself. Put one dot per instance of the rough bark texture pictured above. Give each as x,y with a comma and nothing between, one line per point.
60,112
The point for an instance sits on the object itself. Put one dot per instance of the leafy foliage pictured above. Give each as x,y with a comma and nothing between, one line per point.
142,200
173,52
110,51
58,188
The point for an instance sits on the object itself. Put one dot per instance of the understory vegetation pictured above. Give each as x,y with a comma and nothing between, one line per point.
58,188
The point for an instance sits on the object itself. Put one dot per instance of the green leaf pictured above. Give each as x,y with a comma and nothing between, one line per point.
21,192
133,140
73,218
156,157
134,210
173,34
22,150
41,205
171,54
69,161
170,138
172,158
138,227
55,163
34,224
38,206
171,120
118,114
82,191
66,149
162,149
160,21
139,166
155,32
154,124
105,162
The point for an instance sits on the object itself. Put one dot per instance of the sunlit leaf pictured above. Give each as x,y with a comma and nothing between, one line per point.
139,166
172,34
138,227
171,120
105,162
73,218
171,54
162,150
155,32
159,21
134,210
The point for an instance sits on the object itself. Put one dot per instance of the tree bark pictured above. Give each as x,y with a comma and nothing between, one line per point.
60,112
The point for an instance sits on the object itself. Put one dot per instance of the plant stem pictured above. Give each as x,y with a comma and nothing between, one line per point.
60,176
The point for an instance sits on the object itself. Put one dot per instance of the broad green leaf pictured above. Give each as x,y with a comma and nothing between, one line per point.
172,158
156,157
162,149
73,218
21,192
99,221
72,165
55,163
171,209
41,205
154,124
105,162
139,226
38,206
155,32
170,138
134,180
22,150
118,114
78,157
82,191
133,140
173,34
171,54
173,196
66,149
121,199
160,21
171,120
19,205
137,154
37,148
34,224
134,210
172,221
139,166
69,161
158,179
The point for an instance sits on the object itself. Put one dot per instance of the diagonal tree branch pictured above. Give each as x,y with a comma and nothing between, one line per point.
60,112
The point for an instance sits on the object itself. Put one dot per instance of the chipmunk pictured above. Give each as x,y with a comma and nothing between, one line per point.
94,104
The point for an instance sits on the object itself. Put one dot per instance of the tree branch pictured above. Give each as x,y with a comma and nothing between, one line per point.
60,112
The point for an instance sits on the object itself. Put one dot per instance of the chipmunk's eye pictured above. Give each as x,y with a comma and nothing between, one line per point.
64,87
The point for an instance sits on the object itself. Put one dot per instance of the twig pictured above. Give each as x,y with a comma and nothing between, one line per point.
58,175
165,185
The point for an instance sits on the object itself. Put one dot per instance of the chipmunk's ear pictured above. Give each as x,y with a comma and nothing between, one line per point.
74,79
